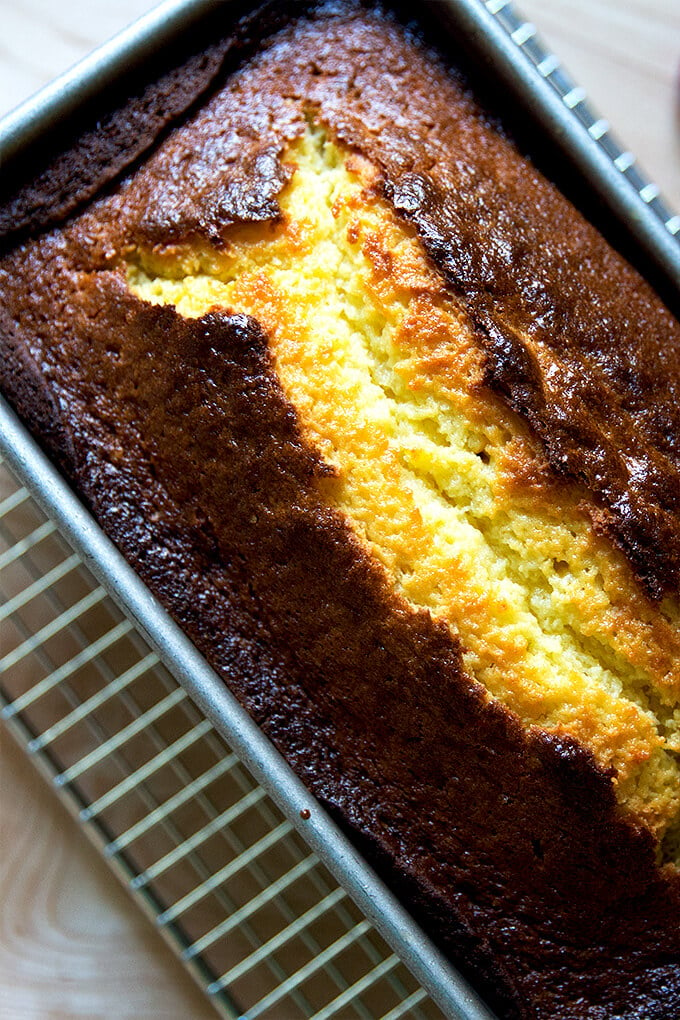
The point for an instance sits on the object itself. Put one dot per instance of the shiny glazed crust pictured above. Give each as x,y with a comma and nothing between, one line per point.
506,843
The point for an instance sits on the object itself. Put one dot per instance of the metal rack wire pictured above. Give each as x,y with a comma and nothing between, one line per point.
526,38
251,912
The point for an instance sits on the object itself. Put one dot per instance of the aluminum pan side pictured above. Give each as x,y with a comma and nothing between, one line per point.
448,989
495,48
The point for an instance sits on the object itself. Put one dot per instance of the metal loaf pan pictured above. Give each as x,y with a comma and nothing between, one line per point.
501,48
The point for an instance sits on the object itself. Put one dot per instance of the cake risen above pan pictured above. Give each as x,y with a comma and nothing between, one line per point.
395,436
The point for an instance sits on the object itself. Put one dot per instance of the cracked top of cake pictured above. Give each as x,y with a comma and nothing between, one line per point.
395,435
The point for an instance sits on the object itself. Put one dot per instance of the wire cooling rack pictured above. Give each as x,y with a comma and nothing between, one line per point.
251,912
526,38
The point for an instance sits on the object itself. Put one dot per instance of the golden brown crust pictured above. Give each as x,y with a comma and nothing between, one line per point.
507,844
345,292
74,162
545,291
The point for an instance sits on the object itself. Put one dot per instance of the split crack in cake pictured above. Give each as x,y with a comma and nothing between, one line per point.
394,435
385,375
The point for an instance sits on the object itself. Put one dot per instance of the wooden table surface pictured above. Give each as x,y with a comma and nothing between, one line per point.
71,944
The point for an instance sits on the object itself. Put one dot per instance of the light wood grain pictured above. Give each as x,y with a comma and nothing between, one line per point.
71,944
626,54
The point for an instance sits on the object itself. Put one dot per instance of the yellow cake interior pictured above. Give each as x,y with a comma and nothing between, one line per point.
442,482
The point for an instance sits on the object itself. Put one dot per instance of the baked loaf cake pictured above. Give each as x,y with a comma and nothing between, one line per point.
395,436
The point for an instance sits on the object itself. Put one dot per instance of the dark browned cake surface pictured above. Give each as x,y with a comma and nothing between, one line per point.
507,844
